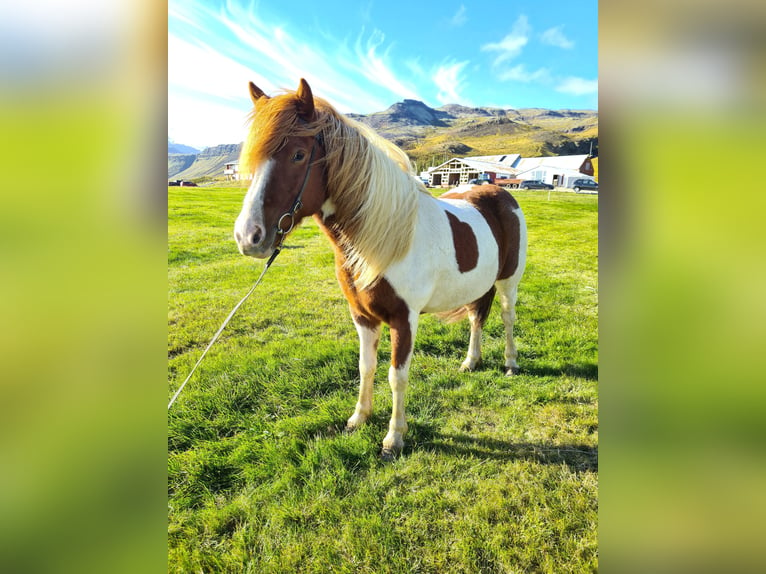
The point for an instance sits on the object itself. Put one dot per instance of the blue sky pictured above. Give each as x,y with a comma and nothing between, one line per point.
365,56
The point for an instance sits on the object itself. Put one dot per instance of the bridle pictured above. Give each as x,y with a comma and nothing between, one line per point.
297,203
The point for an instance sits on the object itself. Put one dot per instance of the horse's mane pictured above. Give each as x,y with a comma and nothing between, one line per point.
370,181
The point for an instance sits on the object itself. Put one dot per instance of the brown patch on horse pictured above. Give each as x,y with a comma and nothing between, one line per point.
375,304
497,207
466,246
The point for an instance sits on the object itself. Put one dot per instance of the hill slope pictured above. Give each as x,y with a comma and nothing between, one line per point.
433,135
207,163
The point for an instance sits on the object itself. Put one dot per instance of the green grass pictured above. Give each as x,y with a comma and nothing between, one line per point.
497,475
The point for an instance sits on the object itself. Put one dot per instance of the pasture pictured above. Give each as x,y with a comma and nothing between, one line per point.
498,474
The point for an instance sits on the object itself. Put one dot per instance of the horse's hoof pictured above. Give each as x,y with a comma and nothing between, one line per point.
354,423
390,454
468,367
352,428
512,371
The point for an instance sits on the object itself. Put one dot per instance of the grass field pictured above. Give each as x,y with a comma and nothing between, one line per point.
498,474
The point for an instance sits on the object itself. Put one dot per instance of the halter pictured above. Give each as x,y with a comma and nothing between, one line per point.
297,204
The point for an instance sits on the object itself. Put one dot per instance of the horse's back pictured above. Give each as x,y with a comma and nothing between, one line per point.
504,217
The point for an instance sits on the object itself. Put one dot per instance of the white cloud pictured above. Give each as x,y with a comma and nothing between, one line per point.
521,74
511,46
375,67
413,65
282,58
199,123
577,86
459,18
189,65
555,37
449,81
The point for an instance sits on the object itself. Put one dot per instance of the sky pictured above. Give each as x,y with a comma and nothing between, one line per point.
365,56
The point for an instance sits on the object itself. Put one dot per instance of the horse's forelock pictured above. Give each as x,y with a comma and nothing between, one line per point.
272,121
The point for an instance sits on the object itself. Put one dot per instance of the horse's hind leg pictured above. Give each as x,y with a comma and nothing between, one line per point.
478,311
507,289
369,336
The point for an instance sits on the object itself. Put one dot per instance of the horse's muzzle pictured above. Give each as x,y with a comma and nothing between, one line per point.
253,242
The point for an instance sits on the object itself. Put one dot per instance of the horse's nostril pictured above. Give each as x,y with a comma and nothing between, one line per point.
257,237
238,236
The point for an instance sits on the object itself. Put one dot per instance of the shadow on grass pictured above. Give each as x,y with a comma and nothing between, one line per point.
578,457
587,371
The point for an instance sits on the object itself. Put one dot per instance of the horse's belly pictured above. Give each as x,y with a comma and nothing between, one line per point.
455,290
434,277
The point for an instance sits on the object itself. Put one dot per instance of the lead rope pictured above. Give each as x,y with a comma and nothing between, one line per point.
226,322
281,233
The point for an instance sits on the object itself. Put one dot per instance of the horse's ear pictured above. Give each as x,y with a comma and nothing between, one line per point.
305,101
256,93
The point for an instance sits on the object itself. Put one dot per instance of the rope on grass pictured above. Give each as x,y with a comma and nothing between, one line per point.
223,326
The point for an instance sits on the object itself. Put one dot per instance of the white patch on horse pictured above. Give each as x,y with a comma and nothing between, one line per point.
251,218
327,209
428,277
461,188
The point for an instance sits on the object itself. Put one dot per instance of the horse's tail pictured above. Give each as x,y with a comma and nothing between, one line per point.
481,307
453,316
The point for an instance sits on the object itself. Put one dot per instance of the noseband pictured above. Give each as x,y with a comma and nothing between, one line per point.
289,216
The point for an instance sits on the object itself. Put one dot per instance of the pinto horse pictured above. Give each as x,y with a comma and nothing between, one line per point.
399,252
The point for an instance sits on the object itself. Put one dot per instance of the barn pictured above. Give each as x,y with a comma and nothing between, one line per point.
560,171
458,171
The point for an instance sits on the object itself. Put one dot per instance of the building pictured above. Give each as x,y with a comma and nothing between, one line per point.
231,170
559,171
458,171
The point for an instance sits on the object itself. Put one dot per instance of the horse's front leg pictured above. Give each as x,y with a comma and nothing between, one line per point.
402,338
369,336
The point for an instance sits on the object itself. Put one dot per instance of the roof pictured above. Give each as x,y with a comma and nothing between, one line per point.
483,163
508,159
514,164
493,166
573,162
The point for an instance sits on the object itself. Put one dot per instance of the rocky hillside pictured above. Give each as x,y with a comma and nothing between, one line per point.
207,163
433,135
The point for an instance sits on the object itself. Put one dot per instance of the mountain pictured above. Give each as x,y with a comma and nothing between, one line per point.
207,163
433,135
176,148
406,114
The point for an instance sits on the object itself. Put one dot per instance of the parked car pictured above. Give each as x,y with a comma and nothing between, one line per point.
534,184
579,184
182,183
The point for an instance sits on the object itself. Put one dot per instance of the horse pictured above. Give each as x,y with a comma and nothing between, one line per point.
399,251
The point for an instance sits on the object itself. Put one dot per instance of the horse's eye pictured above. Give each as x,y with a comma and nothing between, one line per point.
299,155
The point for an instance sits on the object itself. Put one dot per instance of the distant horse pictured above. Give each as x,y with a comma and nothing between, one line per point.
399,251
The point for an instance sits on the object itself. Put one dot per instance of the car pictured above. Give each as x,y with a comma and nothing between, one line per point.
534,184
579,184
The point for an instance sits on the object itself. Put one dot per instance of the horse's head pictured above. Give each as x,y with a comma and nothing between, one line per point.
281,154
